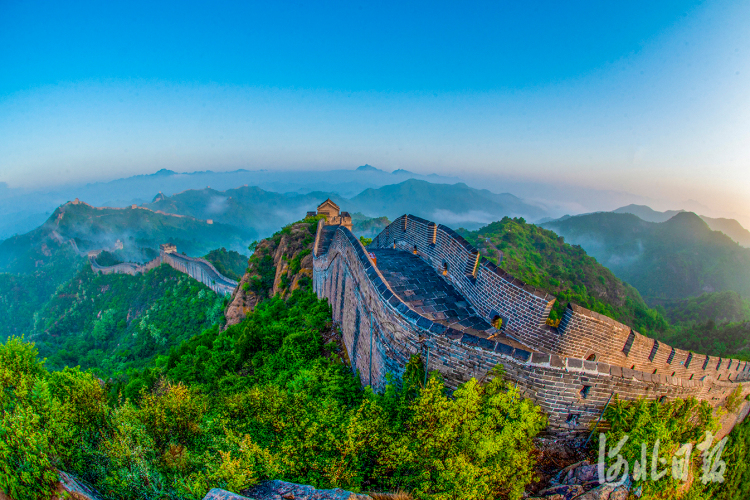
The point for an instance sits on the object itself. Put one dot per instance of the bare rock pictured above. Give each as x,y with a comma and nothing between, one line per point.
242,302
72,487
563,492
282,248
219,494
281,490
583,474
607,491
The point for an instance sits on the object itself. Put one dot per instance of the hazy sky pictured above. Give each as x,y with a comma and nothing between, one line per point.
647,97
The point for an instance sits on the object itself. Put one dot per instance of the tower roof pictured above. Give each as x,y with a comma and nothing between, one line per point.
328,202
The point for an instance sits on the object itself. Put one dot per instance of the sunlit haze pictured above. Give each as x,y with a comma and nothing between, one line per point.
649,98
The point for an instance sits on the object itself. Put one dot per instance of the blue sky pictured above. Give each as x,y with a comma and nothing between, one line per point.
646,97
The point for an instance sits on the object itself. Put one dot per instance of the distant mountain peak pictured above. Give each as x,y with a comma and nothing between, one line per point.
159,197
401,171
368,168
164,172
647,213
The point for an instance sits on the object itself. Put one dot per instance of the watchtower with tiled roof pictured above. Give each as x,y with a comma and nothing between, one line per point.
333,214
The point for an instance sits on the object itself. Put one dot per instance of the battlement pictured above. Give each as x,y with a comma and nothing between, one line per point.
393,310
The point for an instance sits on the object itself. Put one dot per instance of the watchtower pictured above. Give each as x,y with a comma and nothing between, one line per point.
333,215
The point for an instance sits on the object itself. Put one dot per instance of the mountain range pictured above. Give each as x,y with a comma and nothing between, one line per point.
78,227
678,258
730,227
253,208
21,210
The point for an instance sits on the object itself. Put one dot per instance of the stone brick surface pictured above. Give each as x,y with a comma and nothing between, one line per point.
429,296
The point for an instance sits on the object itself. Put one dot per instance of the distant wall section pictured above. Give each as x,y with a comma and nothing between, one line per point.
198,269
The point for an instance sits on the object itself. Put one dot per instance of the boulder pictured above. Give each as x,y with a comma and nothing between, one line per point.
583,474
219,494
607,491
281,490
563,492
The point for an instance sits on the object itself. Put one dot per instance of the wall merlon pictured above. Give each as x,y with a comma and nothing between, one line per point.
554,368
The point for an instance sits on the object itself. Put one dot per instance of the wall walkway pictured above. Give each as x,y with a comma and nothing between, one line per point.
383,327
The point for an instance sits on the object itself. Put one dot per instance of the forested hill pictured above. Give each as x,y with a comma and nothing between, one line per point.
92,228
542,259
679,258
114,322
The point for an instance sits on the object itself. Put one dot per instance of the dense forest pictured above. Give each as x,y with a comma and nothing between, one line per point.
676,259
22,294
228,262
272,397
114,322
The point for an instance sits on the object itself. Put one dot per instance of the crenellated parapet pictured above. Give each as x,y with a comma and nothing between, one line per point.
389,301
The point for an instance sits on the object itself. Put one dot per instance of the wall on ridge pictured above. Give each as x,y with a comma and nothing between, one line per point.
198,269
201,270
490,290
525,309
584,333
381,333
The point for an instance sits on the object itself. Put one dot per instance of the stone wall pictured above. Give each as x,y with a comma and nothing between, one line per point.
381,332
198,269
490,290
525,309
584,333
201,270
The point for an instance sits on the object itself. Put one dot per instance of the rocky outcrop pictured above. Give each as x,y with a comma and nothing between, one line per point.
281,490
68,487
279,265
580,481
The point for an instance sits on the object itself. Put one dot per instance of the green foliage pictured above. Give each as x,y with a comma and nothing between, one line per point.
365,241
474,445
720,307
229,263
716,323
32,425
672,423
542,259
106,259
737,476
296,264
22,296
265,271
270,398
113,323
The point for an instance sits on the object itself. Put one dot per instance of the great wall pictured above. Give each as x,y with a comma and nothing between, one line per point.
196,268
420,288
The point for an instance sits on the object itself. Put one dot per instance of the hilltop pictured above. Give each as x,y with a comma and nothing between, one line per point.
730,227
679,258
81,227
453,204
